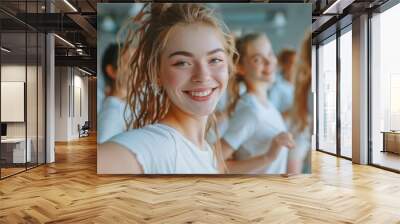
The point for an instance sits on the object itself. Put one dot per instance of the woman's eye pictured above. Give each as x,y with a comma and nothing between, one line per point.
215,61
181,64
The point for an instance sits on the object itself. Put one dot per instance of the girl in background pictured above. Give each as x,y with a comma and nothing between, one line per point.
256,130
282,91
111,120
300,121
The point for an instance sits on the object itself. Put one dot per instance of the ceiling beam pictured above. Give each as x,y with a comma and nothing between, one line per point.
82,61
84,24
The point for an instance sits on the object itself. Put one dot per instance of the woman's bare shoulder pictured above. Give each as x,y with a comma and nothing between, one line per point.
113,158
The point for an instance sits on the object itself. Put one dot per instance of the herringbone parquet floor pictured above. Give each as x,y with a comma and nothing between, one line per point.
69,191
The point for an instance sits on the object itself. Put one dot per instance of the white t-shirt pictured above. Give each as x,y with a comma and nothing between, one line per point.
281,94
303,145
302,139
251,130
111,120
161,149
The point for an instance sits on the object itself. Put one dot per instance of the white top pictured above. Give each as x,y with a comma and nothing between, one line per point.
251,130
281,94
303,142
111,120
302,139
161,149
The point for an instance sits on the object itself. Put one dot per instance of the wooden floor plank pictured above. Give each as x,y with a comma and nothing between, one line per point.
70,191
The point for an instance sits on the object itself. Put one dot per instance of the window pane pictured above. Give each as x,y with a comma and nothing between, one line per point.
327,97
346,94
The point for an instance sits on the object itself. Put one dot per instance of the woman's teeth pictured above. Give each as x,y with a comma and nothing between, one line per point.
202,93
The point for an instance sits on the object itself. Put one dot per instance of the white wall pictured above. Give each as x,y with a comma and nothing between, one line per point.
79,117
62,81
13,73
70,83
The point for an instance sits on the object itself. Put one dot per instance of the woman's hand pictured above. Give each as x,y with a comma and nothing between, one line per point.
259,163
284,139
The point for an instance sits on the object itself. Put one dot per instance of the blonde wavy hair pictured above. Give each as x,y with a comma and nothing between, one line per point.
147,100
302,86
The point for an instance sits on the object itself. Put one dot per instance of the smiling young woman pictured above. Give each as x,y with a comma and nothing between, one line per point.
180,69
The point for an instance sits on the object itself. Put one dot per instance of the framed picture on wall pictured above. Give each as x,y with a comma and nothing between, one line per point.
188,88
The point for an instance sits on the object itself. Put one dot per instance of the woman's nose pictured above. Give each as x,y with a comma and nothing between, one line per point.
201,73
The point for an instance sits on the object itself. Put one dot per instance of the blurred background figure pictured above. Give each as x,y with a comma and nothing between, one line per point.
256,136
109,66
111,120
301,115
281,92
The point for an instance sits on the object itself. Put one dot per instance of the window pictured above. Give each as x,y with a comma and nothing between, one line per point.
346,93
385,89
327,96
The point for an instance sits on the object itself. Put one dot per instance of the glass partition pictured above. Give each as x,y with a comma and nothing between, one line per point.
22,88
14,154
